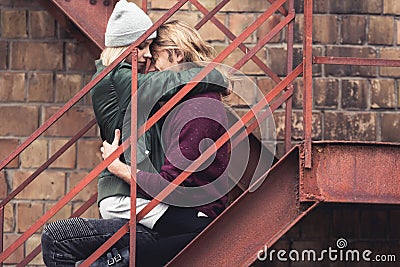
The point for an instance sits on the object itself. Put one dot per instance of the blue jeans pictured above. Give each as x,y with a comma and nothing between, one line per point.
67,241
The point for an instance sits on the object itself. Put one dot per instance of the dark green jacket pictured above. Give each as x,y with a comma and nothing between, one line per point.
111,101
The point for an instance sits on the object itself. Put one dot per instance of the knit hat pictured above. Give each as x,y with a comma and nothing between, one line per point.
126,24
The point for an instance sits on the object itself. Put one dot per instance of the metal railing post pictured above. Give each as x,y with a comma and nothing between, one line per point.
307,81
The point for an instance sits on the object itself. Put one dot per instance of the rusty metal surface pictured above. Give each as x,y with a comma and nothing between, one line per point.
353,172
307,80
289,68
356,61
91,19
255,219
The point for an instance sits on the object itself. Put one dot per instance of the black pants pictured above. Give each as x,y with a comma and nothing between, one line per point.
68,241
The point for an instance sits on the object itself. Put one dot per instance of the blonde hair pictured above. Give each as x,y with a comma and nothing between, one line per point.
110,54
177,35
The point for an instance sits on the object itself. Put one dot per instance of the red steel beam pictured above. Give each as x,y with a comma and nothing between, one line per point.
263,41
252,221
307,80
232,37
82,13
133,137
356,61
289,68
353,172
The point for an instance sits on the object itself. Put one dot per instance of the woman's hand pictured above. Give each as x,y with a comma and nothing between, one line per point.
107,149
117,167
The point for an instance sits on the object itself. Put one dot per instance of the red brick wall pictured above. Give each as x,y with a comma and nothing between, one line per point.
42,66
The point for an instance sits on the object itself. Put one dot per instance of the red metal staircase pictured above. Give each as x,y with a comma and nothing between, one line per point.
309,173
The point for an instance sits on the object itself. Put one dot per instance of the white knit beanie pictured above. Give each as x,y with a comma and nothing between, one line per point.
126,24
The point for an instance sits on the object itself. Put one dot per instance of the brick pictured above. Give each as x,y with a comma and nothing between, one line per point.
67,159
326,93
267,26
18,254
275,55
240,112
3,185
209,4
319,6
7,147
37,56
246,6
5,3
86,192
35,154
390,53
75,118
28,214
186,16
297,126
390,127
391,7
49,185
398,31
67,85
13,86
350,126
9,218
210,32
63,213
353,30
78,58
40,87
31,244
26,4
42,24
238,23
250,67
356,6
190,18
298,33
89,154
92,212
354,94
381,30
351,70
264,86
297,93
245,89
13,24
3,55
165,4
18,120
325,29
383,93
